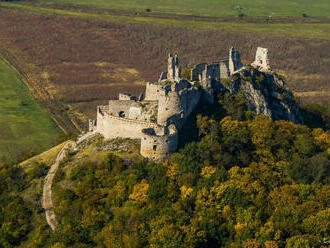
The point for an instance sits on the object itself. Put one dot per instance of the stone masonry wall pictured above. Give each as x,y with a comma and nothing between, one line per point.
114,127
189,100
173,69
224,69
158,147
174,105
152,92
197,71
213,71
121,106
261,59
168,105
234,60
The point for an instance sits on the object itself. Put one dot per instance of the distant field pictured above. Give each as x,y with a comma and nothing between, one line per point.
295,27
214,7
24,125
84,56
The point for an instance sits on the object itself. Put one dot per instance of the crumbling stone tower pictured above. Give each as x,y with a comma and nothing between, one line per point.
158,143
234,60
261,60
173,69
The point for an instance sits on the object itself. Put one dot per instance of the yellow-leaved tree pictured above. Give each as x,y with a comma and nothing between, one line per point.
140,192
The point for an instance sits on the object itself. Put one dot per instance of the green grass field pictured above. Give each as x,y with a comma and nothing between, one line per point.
23,127
319,8
308,30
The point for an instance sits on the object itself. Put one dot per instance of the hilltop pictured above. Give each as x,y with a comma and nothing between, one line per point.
225,186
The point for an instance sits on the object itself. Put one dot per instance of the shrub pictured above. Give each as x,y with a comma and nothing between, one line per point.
38,170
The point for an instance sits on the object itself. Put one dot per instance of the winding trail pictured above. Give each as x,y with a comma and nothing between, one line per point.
47,202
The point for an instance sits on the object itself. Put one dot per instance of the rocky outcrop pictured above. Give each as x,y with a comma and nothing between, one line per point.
265,93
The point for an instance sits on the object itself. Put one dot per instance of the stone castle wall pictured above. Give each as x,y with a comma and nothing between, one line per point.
189,100
126,97
214,71
224,69
173,68
176,106
156,146
114,127
197,71
217,70
120,107
167,104
261,59
234,61
152,91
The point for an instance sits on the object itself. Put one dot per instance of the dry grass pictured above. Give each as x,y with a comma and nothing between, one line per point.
47,157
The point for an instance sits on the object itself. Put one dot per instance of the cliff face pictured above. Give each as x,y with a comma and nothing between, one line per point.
265,93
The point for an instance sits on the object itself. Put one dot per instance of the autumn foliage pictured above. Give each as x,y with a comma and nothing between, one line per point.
253,183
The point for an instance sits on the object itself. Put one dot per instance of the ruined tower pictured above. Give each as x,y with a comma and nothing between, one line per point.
234,60
261,60
158,143
173,69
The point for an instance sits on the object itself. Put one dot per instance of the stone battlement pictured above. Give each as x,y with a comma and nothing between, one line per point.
107,115
167,104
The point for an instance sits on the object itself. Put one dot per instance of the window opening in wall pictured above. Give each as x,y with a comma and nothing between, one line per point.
154,147
121,114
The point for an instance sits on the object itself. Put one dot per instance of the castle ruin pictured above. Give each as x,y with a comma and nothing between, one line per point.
261,60
157,117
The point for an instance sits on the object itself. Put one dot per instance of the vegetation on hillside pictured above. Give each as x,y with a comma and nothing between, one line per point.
252,183
22,220
244,181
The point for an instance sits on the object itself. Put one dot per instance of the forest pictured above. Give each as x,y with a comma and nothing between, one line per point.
239,181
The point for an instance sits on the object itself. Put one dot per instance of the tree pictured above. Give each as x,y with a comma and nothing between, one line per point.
140,191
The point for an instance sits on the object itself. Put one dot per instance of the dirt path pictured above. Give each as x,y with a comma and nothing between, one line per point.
47,202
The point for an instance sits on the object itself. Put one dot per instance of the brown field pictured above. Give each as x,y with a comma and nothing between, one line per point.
77,63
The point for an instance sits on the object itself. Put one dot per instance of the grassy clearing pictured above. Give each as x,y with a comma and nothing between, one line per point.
214,7
47,157
25,125
319,30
